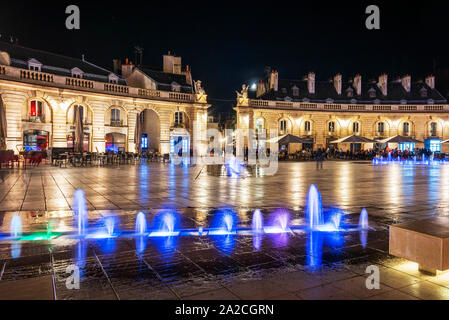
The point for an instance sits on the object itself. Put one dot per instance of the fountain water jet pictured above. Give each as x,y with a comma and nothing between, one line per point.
314,208
110,225
141,224
257,223
16,226
363,220
336,220
80,210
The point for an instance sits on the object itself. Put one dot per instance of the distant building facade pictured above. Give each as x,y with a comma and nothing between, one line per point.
41,90
324,111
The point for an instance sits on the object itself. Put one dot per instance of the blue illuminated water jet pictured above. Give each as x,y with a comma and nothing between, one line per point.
80,211
314,208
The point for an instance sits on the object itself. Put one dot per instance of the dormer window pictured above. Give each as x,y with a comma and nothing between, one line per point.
295,91
34,65
113,78
372,93
350,92
77,73
175,87
423,92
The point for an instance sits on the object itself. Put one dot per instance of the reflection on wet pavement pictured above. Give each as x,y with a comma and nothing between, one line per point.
292,265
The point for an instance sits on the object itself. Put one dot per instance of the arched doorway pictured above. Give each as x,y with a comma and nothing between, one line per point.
35,140
115,142
150,131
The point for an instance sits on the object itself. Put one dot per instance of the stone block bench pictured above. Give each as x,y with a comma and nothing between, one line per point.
425,242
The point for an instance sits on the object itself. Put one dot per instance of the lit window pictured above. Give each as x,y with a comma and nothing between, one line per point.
372,93
259,125
380,127
423,92
331,127
356,127
307,126
350,92
406,128
283,125
36,108
115,116
433,129
179,118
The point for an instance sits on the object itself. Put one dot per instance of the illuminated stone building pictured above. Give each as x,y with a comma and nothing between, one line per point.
324,111
40,91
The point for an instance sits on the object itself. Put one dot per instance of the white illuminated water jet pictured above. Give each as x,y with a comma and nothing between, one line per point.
141,224
110,225
16,226
80,210
228,222
336,220
257,223
363,220
314,208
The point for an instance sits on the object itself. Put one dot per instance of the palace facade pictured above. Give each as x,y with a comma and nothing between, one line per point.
40,91
323,111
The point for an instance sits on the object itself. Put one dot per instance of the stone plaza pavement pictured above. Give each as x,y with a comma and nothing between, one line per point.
286,266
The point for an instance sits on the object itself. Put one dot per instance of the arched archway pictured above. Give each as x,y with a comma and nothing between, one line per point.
150,130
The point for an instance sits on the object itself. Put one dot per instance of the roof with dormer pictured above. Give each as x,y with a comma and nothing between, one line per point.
55,63
325,92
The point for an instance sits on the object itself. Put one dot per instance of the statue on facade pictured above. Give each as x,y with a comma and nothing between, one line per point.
198,88
242,97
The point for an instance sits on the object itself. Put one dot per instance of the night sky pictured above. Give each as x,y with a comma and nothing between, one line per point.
230,43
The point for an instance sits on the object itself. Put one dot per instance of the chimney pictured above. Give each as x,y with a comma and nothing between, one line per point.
406,82
117,65
358,84
260,88
274,80
337,83
188,74
382,84
172,64
430,81
311,82
127,69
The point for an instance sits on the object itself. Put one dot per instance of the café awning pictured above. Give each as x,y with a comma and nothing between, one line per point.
353,139
400,139
289,138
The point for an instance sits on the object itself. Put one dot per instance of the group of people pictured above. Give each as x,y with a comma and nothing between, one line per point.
322,154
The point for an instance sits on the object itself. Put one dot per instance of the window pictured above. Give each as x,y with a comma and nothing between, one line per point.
380,127
433,129
115,116
283,125
36,108
423,93
259,125
355,127
175,87
350,92
331,127
406,128
295,91
307,126
179,118
372,93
